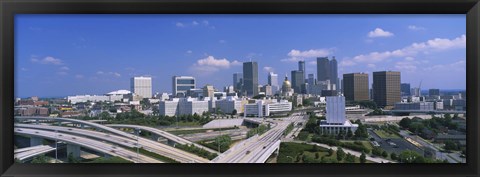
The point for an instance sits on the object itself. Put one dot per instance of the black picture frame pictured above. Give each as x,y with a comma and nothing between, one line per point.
9,8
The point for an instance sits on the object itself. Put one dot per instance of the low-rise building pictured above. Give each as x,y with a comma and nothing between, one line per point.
265,108
415,106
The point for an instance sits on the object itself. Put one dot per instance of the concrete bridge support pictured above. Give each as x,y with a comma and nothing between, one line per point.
74,149
35,141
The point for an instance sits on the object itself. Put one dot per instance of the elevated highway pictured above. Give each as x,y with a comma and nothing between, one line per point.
88,143
146,144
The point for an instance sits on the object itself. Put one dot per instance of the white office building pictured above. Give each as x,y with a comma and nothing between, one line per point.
141,86
265,108
336,120
168,108
181,84
183,106
229,104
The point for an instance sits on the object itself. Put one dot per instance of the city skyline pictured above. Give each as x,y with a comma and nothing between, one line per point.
60,55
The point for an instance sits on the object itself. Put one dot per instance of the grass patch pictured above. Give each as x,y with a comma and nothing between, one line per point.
386,135
182,132
198,151
109,160
154,155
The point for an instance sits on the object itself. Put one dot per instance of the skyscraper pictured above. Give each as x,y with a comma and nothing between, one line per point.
311,79
250,78
323,69
434,92
141,86
297,81
208,91
301,67
355,86
386,88
327,70
237,81
405,89
273,81
334,72
181,84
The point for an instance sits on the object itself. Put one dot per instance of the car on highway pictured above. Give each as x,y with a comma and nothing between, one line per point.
248,152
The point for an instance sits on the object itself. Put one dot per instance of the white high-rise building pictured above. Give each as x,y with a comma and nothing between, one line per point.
181,84
273,81
141,86
336,121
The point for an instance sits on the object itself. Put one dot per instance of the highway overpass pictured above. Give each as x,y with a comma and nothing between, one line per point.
149,145
164,134
257,149
88,143
30,152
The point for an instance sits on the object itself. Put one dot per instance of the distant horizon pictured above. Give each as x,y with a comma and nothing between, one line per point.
96,54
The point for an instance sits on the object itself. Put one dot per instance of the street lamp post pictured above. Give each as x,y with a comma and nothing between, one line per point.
56,145
138,133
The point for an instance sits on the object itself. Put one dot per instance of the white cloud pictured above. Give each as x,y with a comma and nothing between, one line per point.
222,41
204,23
433,45
458,66
371,65
416,28
181,25
378,32
100,72
211,64
64,68
235,63
47,60
297,55
189,51
115,74
268,69
347,63
79,76
62,73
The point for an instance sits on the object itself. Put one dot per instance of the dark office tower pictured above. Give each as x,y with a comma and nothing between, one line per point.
386,88
237,81
405,89
297,81
301,67
355,86
434,92
311,79
250,78
334,73
323,69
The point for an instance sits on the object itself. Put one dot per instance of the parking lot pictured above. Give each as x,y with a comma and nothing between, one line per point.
397,145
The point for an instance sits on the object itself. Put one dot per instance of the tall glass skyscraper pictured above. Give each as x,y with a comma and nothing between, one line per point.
273,81
250,78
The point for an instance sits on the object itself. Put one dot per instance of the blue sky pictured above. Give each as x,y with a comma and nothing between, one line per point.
60,55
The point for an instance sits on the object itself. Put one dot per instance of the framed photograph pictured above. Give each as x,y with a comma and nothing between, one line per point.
229,88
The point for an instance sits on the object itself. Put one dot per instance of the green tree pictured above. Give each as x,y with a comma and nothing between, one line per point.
330,152
317,155
349,133
234,112
40,159
350,158
340,154
361,132
405,122
72,159
451,146
363,158
385,154
393,156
